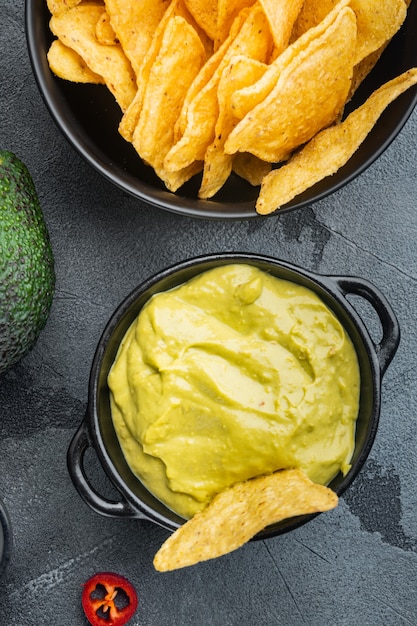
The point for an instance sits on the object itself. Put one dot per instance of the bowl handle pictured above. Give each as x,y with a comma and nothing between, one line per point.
387,347
75,462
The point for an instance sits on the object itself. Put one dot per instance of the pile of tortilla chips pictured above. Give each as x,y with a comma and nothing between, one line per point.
215,86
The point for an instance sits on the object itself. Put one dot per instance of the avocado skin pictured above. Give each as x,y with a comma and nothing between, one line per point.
27,275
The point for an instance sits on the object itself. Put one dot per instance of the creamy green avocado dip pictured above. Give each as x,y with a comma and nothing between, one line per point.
232,375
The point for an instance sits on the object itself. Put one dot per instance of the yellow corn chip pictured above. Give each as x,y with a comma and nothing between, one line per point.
200,106
378,21
244,100
217,164
205,14
68,65
281,15
250,168
362,69
237,514
104,31
227,12
311,14
135,24
203,111
170,77
308,96
330,149
216,16
76,28
59,6
215,63
131,116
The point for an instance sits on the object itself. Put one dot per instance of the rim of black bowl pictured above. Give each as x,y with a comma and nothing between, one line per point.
6,549
126,169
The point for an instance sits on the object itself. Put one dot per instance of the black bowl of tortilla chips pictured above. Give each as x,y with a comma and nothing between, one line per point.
89,116
97,431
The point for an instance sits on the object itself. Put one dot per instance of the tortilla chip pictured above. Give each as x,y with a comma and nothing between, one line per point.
131,116
68,65
250,168
76,29
104,31
203,110
237,514
135,24
246,99
309,94
363,68
170,77
227,12
205,14
200,107
330,149
281,15
217,164
59,6
378,21
214,64
311,14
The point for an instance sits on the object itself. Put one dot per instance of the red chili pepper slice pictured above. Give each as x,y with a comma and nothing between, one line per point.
109,599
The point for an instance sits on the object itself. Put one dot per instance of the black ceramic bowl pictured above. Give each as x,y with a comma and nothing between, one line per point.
96,430
89,117
5,539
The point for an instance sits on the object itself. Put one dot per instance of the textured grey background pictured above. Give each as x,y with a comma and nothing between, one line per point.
355,565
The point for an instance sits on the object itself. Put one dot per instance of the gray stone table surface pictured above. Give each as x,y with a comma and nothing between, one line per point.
354,565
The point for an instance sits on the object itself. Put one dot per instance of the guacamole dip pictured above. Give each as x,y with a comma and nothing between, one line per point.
229,376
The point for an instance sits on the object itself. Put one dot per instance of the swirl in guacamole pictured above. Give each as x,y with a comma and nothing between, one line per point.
232,375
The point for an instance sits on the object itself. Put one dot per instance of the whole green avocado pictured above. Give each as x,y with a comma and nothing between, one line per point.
27,275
